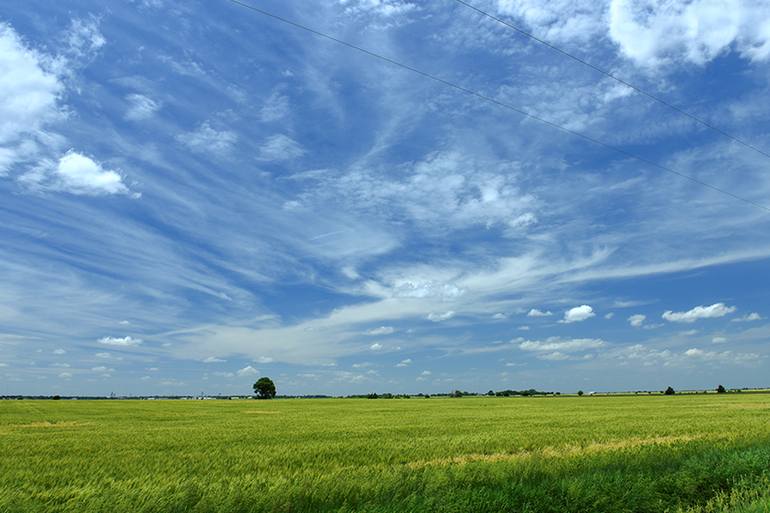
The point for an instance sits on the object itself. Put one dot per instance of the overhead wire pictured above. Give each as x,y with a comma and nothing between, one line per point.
614,77
499,103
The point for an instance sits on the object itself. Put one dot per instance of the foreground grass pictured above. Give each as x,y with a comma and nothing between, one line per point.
635,454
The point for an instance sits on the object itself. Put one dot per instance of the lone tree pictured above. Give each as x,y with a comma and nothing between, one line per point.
721,389
580,393
669,391
264,388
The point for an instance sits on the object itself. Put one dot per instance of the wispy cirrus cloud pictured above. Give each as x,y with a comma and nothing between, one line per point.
280,147
207,139
140,107
557,344
292,219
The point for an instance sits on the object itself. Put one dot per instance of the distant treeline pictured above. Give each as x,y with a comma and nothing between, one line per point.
457,393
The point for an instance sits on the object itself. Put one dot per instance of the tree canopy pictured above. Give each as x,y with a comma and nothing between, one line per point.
264,388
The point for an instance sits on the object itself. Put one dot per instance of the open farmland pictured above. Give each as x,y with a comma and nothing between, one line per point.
653,454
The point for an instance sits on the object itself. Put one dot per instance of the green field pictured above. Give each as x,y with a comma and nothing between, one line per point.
682,453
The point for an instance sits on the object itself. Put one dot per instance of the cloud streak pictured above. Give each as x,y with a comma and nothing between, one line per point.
699,312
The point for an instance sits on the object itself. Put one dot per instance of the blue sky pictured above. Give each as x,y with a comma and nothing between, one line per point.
194,195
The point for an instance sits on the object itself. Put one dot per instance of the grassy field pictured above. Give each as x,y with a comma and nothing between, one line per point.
703,453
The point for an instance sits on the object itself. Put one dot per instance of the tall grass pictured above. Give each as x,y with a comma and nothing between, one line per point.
634,454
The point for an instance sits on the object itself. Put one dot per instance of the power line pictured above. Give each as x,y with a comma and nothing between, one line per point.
499,103
614,77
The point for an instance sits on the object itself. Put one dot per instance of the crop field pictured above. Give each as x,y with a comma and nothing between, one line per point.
704,453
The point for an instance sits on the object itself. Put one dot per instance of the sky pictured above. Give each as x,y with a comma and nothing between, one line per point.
194,195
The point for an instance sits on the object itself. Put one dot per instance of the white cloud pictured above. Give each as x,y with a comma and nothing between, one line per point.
753,316
275,107
350,272
636,320
31,85
558,21
539,313
657,32
59,351
693,352
280,147
558,344
29,92
382,330
120,341
348,377
108,356
247,371
213,359
3,364
439,317
425,286
609,316
206,139
444,191
653,33
383,8
264,359
578,314
83,39
722,357
646,356
426,373
65,375
376,346
718,340
652,357
554,356
79,174
499,316
102,369
699,312
404,363
140,107
7,159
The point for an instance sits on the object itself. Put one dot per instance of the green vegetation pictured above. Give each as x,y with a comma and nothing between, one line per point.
264,388
699,453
